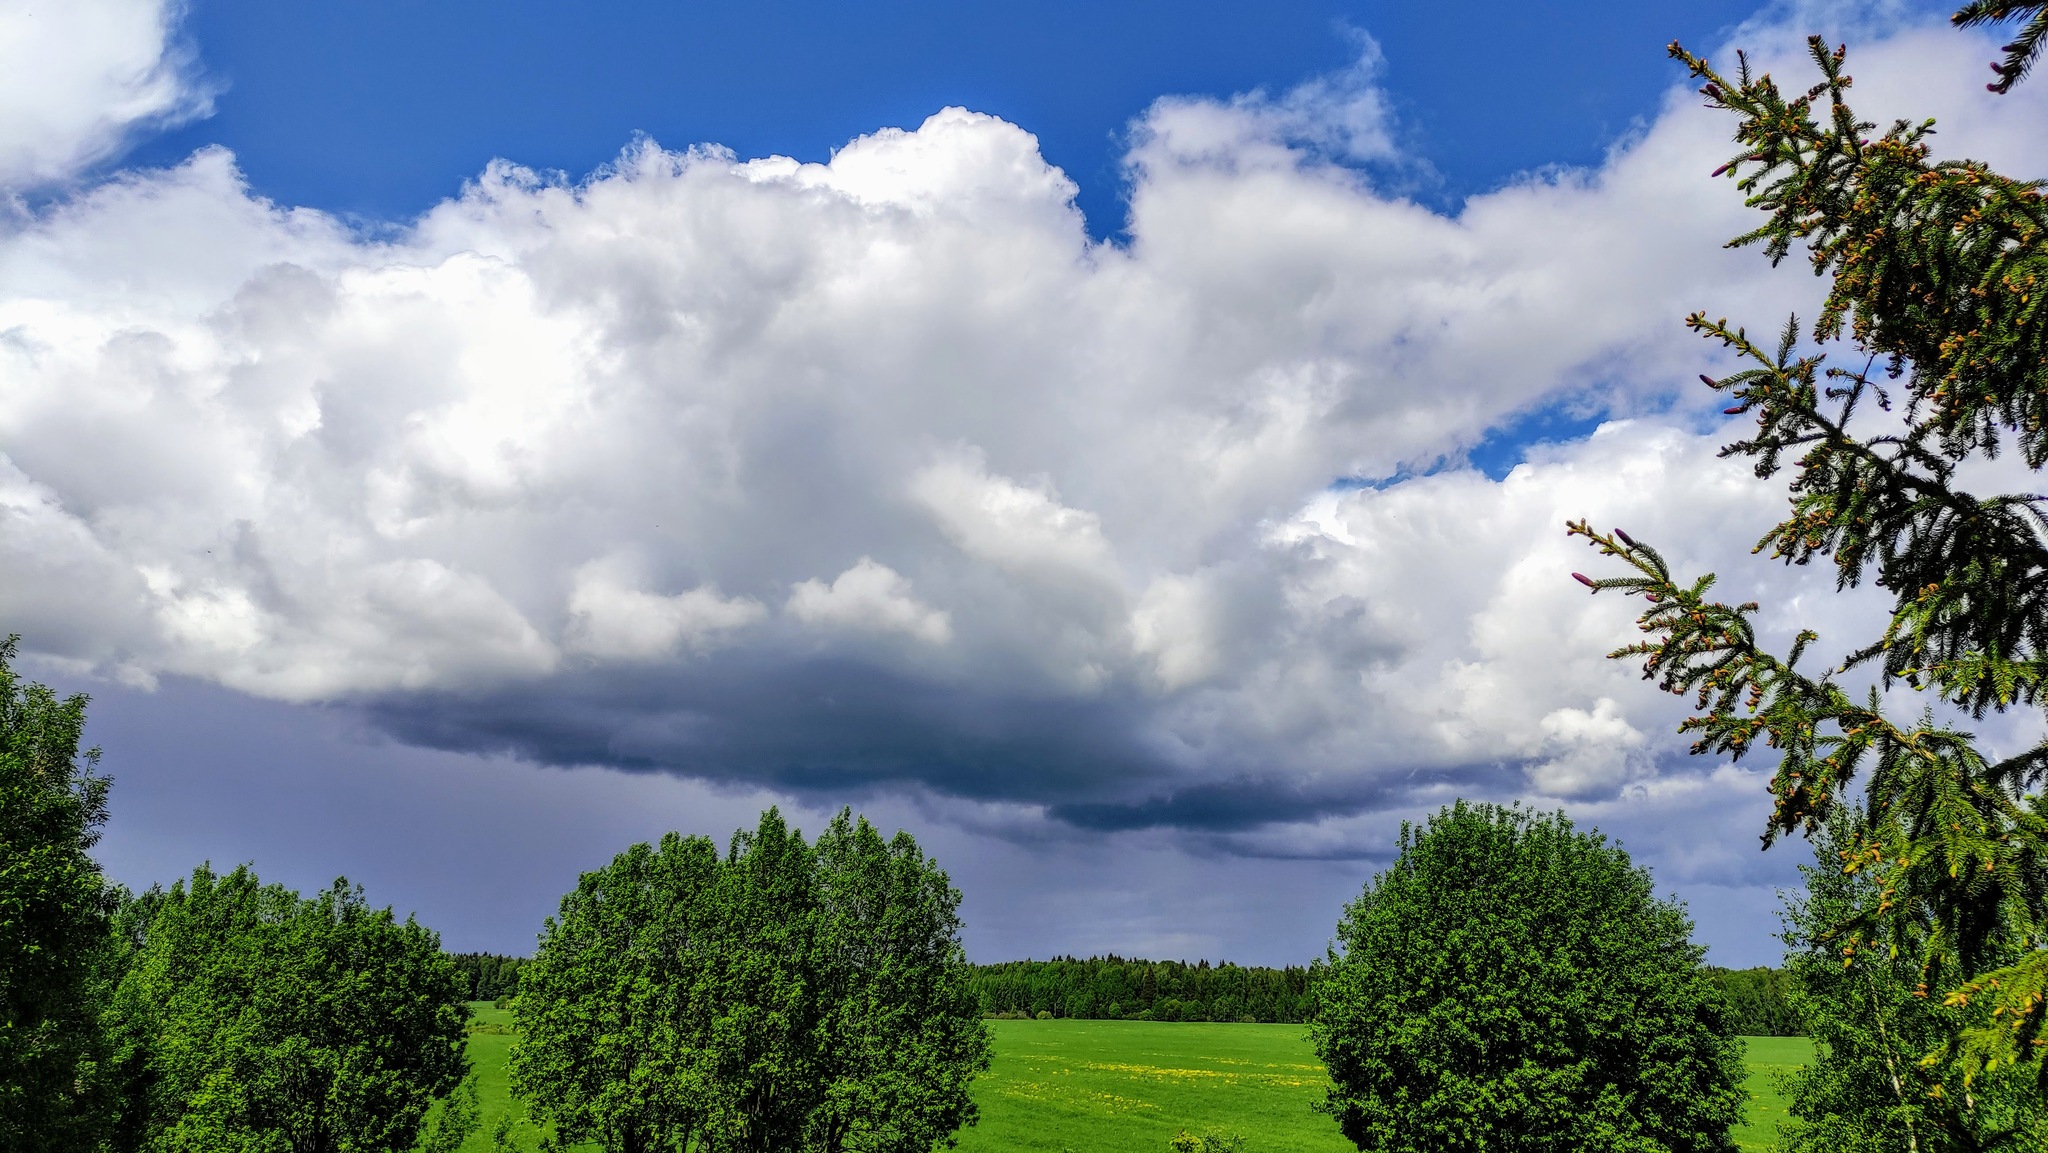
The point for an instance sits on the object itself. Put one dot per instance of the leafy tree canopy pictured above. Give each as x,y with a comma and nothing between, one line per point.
252,1020
781,996
1512,984
54,910
1936,275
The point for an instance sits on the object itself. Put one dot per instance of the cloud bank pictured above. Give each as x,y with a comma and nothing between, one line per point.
879,475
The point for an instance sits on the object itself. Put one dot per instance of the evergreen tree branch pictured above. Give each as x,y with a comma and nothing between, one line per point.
2024,49
1958,849
1936,272
1976,631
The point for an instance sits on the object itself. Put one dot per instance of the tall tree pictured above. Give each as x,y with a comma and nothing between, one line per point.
1512,984
258,1021
904,1029
1867,1088
1936,276
54,915
780,997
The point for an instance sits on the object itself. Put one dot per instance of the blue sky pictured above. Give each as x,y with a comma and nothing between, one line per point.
378,107
1144,481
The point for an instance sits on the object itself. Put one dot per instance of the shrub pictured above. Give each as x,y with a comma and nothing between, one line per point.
1212,1142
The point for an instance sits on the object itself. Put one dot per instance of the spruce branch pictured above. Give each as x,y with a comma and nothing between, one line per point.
2021,53
1958,849
1936,272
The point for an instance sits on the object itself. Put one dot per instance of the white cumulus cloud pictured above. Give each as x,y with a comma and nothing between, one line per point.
78,76
1175,529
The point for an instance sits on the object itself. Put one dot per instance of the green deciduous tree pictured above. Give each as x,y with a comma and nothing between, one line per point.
781,996
1867,1089
54,915
1513,985
252,1020
1937,276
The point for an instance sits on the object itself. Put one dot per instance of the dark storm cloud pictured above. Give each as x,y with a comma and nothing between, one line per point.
822,726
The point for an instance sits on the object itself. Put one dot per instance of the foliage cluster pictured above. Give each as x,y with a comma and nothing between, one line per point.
1118,988
781,996
1936,272
54,919
1208,1142
250,1018
1511,983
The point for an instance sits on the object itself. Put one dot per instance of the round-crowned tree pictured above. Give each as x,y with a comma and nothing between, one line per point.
1510,984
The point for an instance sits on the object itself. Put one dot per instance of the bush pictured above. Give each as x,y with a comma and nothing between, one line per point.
1212,1142
1511,984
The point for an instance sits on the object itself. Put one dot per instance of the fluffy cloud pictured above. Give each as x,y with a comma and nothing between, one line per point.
881,474
77,77
871,597
609,619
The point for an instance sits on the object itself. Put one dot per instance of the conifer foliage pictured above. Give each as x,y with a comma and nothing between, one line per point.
1937,273
2021,53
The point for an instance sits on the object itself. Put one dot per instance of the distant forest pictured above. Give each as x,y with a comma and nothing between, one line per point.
488,976
1759,1001
1117,988
1126,988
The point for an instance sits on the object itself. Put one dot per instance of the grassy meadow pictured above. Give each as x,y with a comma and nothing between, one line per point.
1128,1086
1768,1058
490,1043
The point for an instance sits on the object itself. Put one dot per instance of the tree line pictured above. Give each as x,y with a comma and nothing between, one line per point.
1115,988
1760,1000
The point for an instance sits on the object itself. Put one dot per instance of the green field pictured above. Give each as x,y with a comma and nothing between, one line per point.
1128,1086
1767,1058
490,1042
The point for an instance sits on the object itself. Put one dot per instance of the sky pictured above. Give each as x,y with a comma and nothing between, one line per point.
1127,445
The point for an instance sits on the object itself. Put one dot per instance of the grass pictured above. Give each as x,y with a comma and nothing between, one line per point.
1767,1058
1129,1086
490,1043
1125,1086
